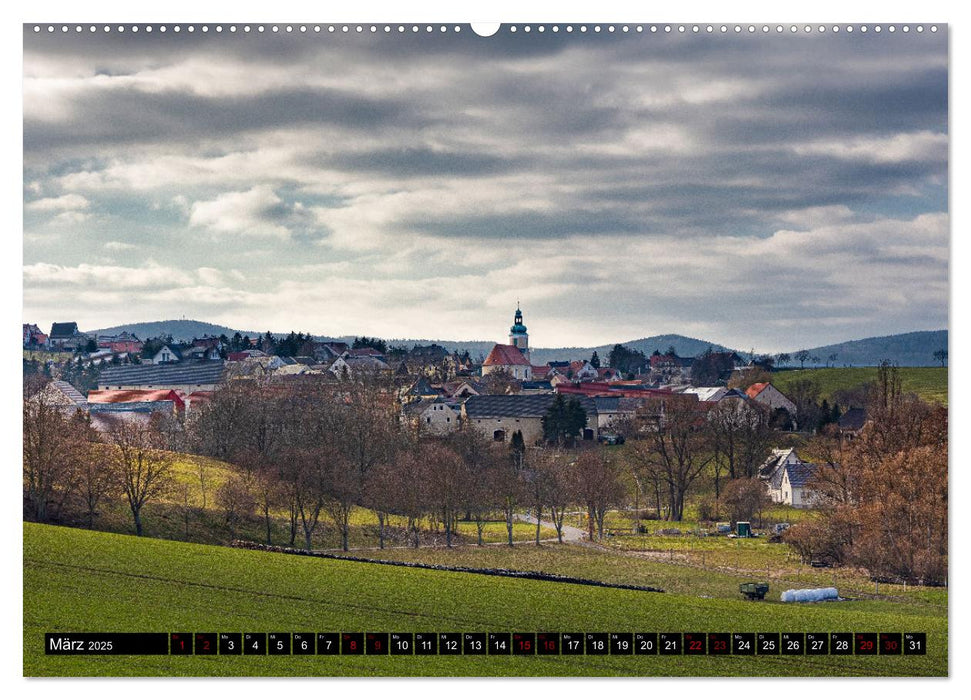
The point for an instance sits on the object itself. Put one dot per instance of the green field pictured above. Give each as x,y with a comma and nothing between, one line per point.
78,581
929,383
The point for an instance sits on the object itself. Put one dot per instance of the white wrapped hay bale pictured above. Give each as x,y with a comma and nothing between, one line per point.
809,595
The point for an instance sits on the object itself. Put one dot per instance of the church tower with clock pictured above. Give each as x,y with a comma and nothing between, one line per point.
518,337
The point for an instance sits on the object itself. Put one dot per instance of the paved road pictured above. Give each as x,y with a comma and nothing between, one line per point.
570,533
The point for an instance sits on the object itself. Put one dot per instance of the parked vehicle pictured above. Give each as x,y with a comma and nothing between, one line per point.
753,590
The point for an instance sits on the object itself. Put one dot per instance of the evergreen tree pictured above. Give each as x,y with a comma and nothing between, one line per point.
564,420
516,443
375,343
595,360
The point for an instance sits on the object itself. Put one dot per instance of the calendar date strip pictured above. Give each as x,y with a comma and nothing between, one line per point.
485,643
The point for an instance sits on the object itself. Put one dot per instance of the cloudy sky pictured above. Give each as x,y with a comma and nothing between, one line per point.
767,191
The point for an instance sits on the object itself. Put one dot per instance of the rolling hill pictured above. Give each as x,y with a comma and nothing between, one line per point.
905,349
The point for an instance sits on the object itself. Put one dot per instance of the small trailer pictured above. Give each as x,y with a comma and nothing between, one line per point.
754,591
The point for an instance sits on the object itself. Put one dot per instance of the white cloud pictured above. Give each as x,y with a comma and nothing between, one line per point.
119,246
240,213
919,146
67,202
95,278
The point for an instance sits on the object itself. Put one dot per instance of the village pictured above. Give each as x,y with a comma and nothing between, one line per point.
503,397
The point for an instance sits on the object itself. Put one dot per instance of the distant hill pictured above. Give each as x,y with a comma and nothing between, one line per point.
179,330
683,346
905,349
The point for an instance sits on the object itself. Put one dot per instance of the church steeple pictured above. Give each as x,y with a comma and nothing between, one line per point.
518,337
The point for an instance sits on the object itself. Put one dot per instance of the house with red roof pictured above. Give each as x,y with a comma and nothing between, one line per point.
514,357
120,396
767,395
33,337
510,359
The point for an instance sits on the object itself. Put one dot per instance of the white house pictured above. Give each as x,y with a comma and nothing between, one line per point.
767,395
165,355
794,489
435,417
787,478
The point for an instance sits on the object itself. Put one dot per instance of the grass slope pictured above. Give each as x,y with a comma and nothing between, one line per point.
930,383
81,581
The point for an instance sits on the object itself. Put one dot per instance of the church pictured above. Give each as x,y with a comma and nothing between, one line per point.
514,357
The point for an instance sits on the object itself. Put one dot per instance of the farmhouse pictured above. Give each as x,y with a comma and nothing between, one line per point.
851,423
794,487
33,337
786,478
60,393
186,377
434,417
348,365
612,410
121,343
105,416
133,396
498,417
66,336
767,395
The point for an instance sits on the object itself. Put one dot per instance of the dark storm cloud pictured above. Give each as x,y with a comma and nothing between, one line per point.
527,225
125,116
419,162
670,154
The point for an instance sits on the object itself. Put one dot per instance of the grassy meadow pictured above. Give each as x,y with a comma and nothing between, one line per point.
82,581
929,383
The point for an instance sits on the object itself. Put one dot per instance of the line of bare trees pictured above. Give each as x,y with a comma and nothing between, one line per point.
70,470
319,451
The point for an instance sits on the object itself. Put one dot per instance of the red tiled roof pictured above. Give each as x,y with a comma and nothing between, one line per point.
505,355
135,395
756,389
604,389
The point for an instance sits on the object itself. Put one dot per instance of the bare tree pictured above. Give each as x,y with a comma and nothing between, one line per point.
744,497
344,492
802,356
55,447
307,473
479,456
236,498
202,469
555,487
597,485
448,481
145,470
678,449
740,437
96,482
501,381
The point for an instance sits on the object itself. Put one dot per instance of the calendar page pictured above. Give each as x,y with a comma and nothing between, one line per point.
548,349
